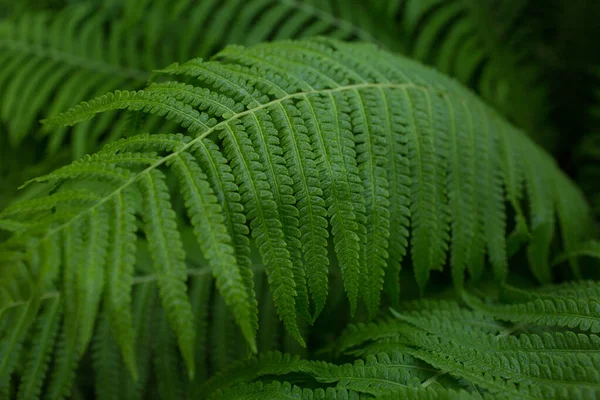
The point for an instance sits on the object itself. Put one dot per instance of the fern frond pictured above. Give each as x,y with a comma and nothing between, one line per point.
480,45
169,372
588,249
166,249
488,361
279,133
495,213
451,320
211,232
306,187
377,375
542,220
531,368
277,390
567,311
200,295
553,364
460,187
46,47
271,363
427,218
372,158
359,334
67,356
20,319
144,323
36,366
119,273
106,360
70,56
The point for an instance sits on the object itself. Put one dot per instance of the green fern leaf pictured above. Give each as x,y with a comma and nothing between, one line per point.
372,159
65,362
495,213
167,252
296,147
106,361
144,305
167,367
480,351
568,312
21,319
90,280
588,249
333,136
67,356
119,272
215,242
461,192
426,218
377,375
38,360
271,363
265,222
278,390
200,292
221,179
542,216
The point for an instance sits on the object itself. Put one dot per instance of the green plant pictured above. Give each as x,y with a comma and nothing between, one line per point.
444,350
68,55
315,184
271,143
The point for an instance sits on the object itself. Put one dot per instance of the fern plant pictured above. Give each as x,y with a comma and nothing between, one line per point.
300,156
487,46
68,54
443,349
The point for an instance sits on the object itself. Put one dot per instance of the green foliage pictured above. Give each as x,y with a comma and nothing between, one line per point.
318,178
588,151
70,56
485,44
441,349
258,150
71,52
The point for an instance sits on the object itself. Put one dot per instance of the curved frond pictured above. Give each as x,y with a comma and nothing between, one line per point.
489,355
565,310
282,390
287,143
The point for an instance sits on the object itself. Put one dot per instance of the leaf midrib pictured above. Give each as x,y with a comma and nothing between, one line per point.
224,123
